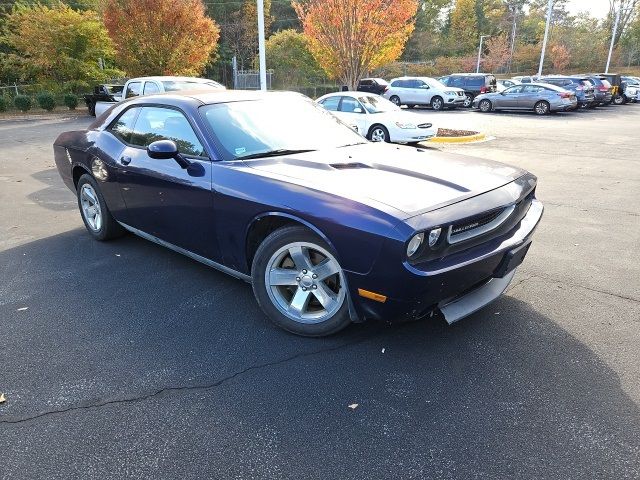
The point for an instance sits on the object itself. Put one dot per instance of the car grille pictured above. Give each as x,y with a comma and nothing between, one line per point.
475,226
425,125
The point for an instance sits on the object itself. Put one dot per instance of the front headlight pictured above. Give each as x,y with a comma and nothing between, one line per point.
450,92
414,244
434,235
405,125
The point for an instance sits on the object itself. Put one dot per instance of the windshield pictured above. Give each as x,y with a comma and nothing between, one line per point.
378,104
433,83
175,85
251,127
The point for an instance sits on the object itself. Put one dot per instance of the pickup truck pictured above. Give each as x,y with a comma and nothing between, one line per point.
105,98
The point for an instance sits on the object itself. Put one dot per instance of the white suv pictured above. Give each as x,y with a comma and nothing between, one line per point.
412,91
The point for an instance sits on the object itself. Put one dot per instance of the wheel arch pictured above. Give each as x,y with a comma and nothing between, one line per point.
77,171
264,224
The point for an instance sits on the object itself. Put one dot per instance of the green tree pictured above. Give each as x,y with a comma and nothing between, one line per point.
464,26
56,45
288,55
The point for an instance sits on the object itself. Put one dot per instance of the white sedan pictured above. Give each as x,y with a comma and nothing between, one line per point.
377,118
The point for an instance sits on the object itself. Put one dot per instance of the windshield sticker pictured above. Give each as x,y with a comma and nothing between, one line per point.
240,150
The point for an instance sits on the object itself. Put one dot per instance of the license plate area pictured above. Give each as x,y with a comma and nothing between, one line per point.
512,259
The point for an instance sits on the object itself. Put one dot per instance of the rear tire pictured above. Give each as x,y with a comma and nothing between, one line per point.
94,211
395,99
288,292
437,103
542,108
618,100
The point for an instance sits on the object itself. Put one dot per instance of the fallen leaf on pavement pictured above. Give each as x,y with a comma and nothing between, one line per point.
353,406
2,398
22,309
383,350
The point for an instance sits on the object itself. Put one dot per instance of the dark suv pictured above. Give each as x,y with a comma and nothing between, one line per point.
473,84
373,85
602,89
581,86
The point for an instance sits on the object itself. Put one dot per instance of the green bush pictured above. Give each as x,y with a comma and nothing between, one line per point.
22,102
3,104
46,101
70,100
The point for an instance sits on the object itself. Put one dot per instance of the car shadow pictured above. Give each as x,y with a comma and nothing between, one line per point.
505,393
55,196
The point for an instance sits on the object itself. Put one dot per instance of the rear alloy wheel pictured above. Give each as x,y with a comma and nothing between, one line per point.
437,103
95,213
468,100
395,99
299,283
378,133
541,107
618,100
485,106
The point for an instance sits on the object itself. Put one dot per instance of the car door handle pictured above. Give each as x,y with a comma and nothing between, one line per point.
125,160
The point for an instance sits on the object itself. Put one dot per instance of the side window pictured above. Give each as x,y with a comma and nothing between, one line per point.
532,89
123,126
366,83
475,82
516,89
349,105
150,88
456,82
157,123
331,103
133,90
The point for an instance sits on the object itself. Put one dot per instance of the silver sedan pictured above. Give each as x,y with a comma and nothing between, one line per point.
542,98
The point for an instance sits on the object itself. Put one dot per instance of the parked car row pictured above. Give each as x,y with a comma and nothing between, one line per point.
483,91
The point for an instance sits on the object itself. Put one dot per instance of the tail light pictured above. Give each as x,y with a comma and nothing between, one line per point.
386,88
602,88
483,89
565,95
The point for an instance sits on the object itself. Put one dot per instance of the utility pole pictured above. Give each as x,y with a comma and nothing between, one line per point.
546,35
261,54
482,37
513,37
613,39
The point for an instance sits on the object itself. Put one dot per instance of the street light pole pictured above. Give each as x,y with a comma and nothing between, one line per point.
482,37
546,35
261,53
613,39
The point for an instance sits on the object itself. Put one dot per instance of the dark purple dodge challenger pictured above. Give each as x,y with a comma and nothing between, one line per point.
327,227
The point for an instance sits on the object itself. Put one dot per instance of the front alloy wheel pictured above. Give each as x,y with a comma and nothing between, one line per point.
379,134
468,100
485,106
299,283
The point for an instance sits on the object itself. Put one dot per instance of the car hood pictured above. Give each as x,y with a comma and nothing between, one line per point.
403,181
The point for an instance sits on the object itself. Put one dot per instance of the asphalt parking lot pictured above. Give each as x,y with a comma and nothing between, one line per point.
126,360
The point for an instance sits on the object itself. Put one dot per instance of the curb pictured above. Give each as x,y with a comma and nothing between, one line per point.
478,137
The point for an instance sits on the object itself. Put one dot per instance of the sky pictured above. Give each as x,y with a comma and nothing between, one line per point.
597,8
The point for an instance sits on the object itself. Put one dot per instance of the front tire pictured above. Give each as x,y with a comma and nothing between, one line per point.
378,133
94,211
485,106
299,284
437,103
468,100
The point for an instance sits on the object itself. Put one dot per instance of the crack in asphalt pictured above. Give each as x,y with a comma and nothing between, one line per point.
570,284
188,388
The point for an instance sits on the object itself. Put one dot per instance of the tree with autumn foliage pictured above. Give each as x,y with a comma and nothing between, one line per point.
55,46
498,50
560,57
158,37
350,38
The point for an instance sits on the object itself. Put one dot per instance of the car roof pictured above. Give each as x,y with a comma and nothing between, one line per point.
169,78
469,74
207,97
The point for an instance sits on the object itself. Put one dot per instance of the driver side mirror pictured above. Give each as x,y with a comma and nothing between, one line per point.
166,149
